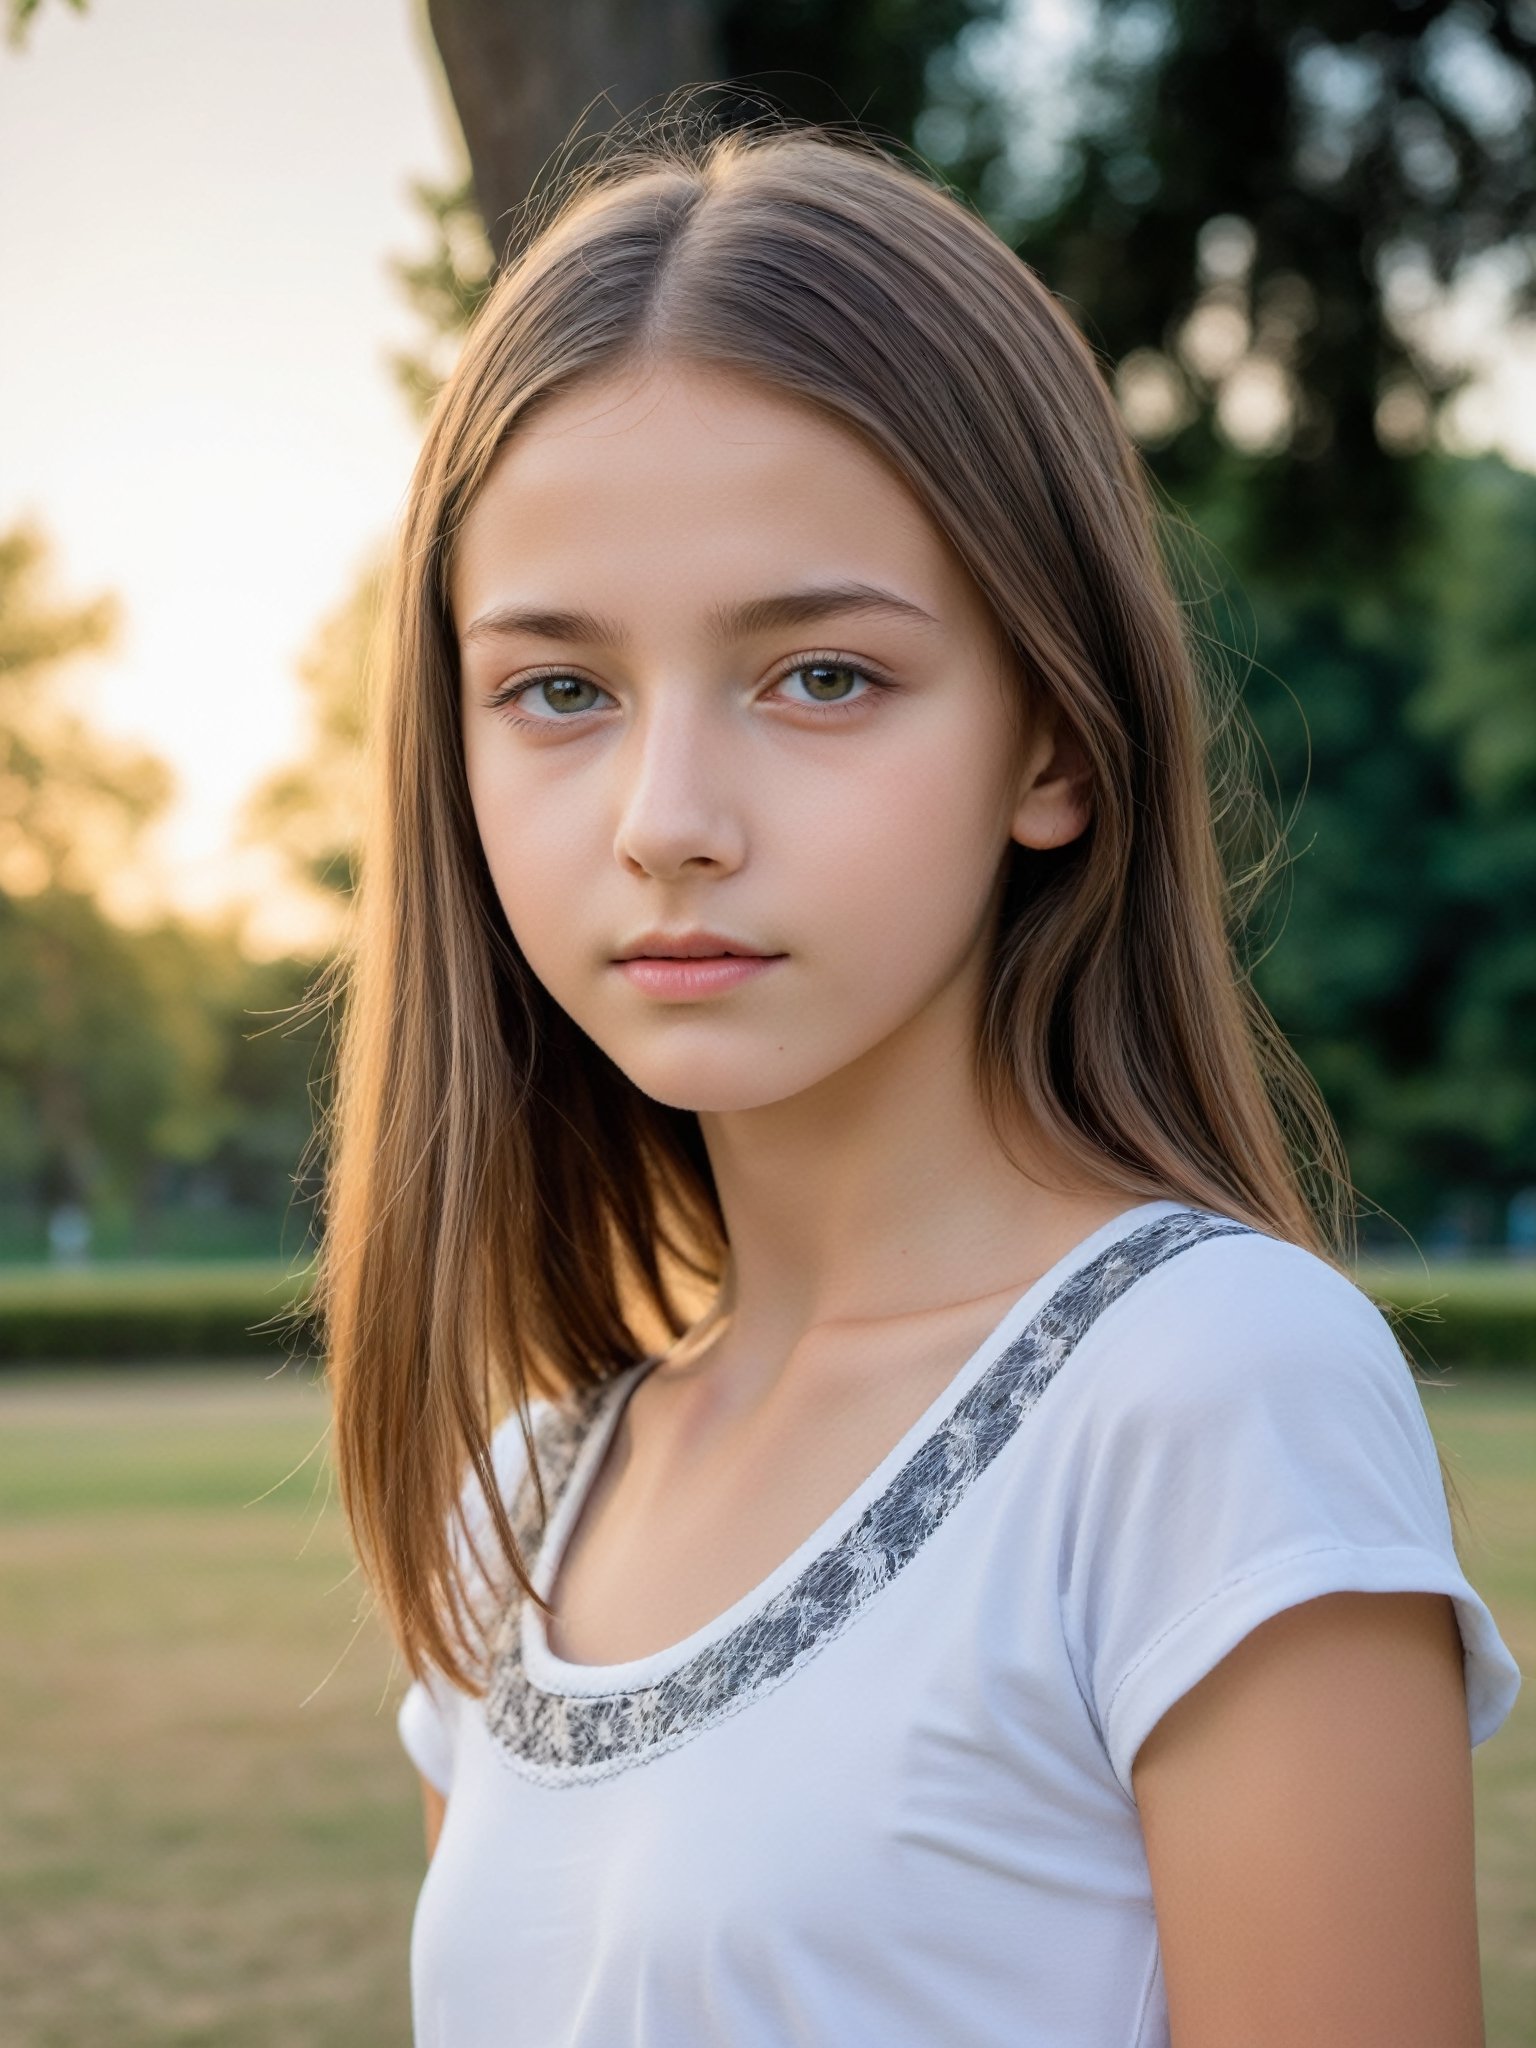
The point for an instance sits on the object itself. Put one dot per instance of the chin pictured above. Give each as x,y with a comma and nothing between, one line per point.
721,1096
718,1084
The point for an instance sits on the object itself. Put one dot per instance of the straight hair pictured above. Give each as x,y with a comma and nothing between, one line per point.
507,1215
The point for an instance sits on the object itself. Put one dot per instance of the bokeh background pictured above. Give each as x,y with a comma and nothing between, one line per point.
238,247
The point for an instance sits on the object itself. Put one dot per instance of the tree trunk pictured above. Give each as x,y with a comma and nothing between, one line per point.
529,76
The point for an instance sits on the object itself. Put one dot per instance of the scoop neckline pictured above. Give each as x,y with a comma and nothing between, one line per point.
552,1674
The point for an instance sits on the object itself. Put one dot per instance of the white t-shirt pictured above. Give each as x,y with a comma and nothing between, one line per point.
886,1797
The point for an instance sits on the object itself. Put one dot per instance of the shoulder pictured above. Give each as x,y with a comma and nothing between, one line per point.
1242,1433
1233,1312
1241,1359
1250,1368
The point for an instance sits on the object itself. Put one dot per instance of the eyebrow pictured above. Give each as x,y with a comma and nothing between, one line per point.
726,621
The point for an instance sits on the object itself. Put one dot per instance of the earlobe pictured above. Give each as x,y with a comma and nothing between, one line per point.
1056,806
1041,835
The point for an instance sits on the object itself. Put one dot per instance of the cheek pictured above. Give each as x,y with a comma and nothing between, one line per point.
905,852
535,849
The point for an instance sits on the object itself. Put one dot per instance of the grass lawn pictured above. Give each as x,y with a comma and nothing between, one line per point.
209,1836
208,1831
1486,1425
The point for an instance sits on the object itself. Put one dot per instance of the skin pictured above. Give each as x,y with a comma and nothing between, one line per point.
434,1811
1307,1808
1308,1816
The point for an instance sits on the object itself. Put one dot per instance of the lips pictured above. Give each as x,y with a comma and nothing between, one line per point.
698,945
695,977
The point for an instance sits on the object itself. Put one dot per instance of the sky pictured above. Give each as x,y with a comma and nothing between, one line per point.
198,208
198,205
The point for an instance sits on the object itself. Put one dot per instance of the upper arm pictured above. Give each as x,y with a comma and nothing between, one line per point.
1308,1817
434,1806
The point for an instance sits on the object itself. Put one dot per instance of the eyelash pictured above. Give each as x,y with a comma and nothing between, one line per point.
508,694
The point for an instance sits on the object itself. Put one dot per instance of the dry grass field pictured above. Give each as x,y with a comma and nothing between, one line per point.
209,1837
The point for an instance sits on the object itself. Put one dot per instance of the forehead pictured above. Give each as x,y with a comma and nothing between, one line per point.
679,477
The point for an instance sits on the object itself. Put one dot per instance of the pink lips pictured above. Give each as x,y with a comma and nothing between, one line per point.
689,980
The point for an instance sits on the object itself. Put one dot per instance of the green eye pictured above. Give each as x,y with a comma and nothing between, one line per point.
551,698
561,693
828,682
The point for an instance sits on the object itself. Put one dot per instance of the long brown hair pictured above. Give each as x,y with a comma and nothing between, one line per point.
508,1215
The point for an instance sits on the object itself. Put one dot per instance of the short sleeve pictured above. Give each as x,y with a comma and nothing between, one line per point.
1250,1437
428,1717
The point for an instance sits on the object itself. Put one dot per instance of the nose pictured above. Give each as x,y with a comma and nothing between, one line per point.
677,813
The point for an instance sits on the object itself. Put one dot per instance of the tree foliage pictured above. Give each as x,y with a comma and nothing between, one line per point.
133,1063
311,809
1255,210
72,801
1398,952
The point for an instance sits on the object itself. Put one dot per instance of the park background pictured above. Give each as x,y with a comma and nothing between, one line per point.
238,247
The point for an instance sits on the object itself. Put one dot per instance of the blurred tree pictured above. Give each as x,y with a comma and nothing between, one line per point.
521,72
524,75
1480,702
143,1070
1255,209
72,801
133,1063
97,1074
87,1065
533,98
446,286
238,1144
1406,976
311,810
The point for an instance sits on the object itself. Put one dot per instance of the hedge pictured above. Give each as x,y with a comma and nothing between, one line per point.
1475,1315
136,1314
1472,1313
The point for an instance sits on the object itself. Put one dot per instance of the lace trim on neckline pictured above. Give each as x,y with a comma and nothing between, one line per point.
568,1739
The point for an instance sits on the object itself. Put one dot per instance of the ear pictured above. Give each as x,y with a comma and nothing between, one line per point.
1055,802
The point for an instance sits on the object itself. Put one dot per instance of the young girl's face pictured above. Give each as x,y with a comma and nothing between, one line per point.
674,724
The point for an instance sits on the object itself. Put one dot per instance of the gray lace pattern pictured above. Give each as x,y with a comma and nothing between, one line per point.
566,1739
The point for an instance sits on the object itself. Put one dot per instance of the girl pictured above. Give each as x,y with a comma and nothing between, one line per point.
901,1529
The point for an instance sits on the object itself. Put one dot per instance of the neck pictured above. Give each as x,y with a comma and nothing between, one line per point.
884,1192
